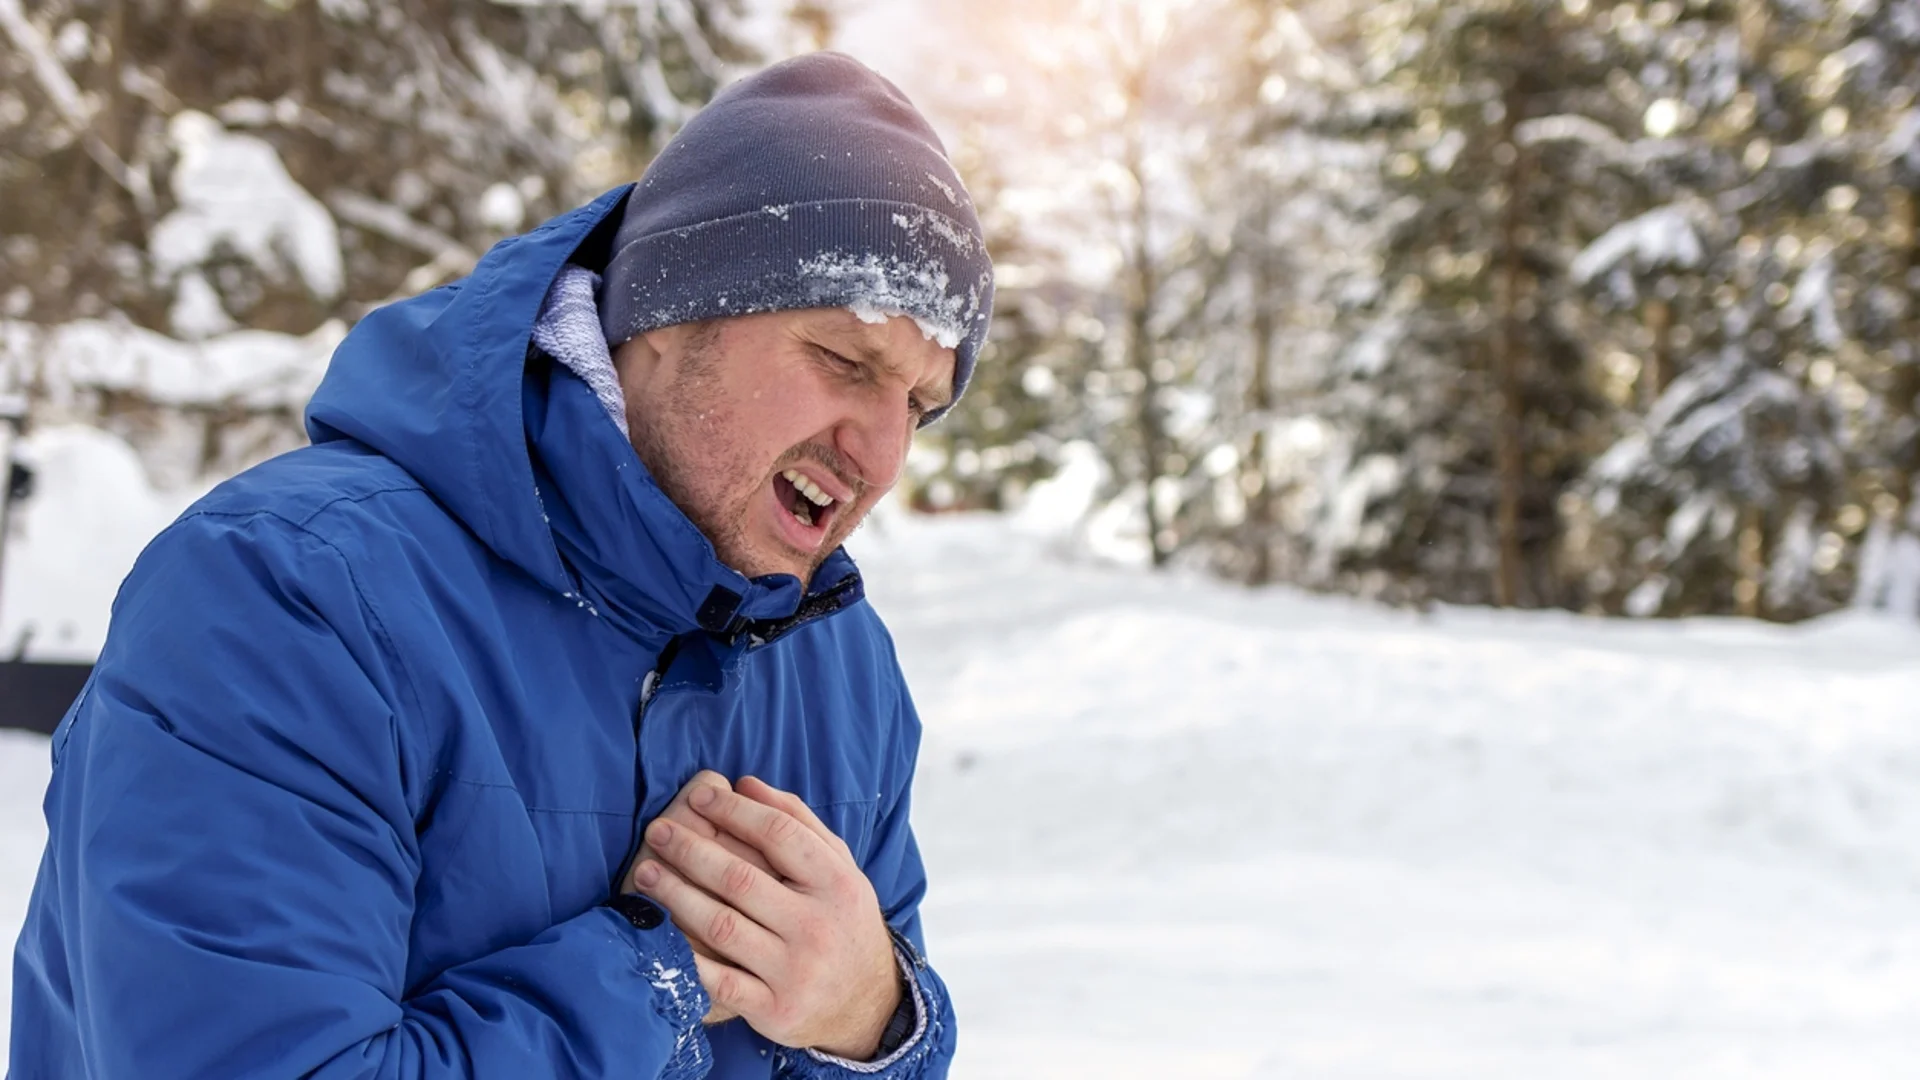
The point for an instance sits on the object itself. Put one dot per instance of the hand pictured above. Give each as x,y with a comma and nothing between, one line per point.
797,947
681,814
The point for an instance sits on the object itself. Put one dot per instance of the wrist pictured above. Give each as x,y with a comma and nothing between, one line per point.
867,1040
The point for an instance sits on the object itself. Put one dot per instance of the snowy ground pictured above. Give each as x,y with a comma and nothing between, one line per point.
1181,831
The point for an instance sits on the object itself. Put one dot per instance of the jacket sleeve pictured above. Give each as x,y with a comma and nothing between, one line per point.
232,854
900,879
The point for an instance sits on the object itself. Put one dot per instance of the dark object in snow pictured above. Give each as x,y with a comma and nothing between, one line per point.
35,695
19,483
814,183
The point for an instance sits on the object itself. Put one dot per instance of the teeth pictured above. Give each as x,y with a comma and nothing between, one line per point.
807,487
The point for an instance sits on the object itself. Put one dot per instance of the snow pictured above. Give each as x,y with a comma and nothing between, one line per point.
1179,830
1599,138
233,190
253,368
92,511
940,333
1661,237
883,284
502,209
23,777
1890,570
1813,297
1347,528
197,312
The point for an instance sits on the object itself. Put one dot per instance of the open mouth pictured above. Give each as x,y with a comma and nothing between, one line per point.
803,499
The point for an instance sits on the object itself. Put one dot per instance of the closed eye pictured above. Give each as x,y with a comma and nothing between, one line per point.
837,359
915,406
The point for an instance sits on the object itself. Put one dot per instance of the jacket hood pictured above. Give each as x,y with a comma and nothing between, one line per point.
517,448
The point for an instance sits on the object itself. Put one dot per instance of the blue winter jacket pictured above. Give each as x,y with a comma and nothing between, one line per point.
366,748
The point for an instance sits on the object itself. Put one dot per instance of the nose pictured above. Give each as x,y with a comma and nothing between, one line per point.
875,437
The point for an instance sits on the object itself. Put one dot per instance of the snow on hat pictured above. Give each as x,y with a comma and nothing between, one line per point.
813,183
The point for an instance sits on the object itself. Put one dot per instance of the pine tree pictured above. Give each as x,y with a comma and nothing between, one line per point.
1465,405
1728,487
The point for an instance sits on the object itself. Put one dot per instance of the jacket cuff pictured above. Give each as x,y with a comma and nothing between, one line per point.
909,1059
665,959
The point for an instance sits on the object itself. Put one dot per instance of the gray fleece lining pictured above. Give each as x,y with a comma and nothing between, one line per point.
569,331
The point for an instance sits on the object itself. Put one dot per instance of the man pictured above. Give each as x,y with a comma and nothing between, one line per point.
357,786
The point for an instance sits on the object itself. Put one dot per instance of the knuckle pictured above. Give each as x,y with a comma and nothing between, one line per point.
737,878
780,828
848,889
723,927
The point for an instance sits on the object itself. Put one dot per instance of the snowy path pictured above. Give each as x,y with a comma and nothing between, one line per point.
1179,831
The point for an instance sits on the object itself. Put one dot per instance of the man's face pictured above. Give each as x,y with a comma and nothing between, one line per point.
749,423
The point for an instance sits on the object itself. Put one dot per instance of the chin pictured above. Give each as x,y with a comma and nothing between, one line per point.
757,564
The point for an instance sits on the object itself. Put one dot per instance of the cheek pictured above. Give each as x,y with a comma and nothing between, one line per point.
790,411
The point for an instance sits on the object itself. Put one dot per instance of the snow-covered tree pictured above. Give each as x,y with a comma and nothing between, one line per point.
1465,406
163,185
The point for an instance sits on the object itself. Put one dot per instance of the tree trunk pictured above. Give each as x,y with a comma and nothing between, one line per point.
1750,562
1659,372
1255,484
1508,361
1903,389
1142,287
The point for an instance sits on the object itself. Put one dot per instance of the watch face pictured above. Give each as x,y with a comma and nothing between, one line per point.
643,913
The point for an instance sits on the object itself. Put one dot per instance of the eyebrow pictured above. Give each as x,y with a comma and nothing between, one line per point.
936,397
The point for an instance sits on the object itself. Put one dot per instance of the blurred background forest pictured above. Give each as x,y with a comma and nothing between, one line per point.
1603,307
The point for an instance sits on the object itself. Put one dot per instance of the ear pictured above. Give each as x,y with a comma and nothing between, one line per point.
636,359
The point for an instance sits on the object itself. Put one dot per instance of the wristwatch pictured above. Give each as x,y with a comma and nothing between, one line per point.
900,1026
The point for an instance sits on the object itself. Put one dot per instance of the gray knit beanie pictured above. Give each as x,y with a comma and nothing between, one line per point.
813,183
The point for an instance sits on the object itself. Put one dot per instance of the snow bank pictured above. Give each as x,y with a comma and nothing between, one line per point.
1176,829
92,512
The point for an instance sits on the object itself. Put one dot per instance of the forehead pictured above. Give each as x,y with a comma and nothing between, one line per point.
897,342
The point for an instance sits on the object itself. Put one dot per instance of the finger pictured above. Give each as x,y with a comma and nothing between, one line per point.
678,809
726,932
740,849
732,990
737,847
727,878
680,813
794,850
762,792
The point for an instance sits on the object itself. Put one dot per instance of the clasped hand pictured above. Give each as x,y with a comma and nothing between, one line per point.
786,928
